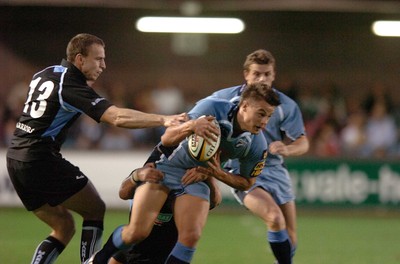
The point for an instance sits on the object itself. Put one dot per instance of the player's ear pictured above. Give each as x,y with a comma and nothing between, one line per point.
245,74
245,104
79,59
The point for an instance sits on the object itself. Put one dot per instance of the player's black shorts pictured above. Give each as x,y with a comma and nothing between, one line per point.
50,181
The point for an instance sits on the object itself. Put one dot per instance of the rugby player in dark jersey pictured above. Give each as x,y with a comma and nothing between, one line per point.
47,184
158,245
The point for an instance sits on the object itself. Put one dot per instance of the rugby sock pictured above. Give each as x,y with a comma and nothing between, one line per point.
47,251
293,251
92,232
180,254
280,245
113,245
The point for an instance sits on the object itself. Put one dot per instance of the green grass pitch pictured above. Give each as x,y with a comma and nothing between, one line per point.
237,238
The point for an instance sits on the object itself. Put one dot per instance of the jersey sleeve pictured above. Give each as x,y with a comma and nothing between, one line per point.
85,100
230,94
253,163
293,124
291,118
206,107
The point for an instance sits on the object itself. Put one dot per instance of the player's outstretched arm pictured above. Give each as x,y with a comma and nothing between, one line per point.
130,118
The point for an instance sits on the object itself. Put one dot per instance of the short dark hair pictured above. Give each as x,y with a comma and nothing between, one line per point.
260,91
80,44
261,57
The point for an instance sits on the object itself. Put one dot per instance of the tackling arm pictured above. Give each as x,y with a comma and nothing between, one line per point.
146,174
130,118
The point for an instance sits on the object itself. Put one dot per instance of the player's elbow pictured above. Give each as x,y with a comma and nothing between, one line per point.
124,194
246,184
167,141
215,200
111,117
126,190
304,145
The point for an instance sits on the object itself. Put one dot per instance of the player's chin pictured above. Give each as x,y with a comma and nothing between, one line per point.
256,130
95,76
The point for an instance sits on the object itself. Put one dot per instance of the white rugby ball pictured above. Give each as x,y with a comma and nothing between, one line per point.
202,150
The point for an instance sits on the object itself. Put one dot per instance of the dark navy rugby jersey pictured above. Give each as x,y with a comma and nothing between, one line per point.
57,96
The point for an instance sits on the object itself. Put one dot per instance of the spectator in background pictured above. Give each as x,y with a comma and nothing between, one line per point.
288,86
352,136
330,107
167,98
12,109
326,142
381,131
115,138
88,134
377,93
144,138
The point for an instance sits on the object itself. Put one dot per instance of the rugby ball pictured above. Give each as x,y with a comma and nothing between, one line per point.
202,150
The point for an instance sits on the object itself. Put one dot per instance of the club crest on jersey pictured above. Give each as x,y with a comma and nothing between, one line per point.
260,165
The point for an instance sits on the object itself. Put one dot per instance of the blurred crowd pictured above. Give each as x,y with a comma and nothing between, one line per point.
364,126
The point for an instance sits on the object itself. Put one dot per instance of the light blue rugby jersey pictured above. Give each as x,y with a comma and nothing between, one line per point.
286,119
249,149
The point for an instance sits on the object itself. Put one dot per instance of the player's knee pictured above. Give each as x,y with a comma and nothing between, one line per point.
100,208
276,220
135,235
96,210
65,227
190,238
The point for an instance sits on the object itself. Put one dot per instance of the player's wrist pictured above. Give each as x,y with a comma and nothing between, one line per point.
135,177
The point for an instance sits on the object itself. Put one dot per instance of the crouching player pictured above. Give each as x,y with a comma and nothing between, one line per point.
164,234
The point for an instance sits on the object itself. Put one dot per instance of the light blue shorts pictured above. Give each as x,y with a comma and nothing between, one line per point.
172,180
276,181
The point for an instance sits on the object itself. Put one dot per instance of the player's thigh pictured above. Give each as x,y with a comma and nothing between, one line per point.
261,203
190,213
147,203
87,202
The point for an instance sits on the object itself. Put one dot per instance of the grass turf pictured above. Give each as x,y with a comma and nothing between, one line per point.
237,237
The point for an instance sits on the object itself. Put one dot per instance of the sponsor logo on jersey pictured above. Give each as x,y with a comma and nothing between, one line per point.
80,177
25,128
162,218
260,165
95,102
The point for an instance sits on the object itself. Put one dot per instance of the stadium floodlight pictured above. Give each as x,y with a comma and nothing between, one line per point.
386,28
201,25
